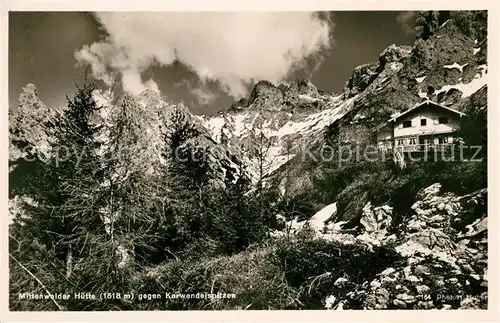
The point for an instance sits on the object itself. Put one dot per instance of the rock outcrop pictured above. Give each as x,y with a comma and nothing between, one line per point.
445,246
31,126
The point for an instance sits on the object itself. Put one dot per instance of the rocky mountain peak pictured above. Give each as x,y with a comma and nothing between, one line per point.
394,53
299,95
30,123
303,87
28,98
360,78
30,87
265,95
150,98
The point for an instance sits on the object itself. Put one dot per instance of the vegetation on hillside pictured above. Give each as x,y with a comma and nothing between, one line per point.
95,219
179,231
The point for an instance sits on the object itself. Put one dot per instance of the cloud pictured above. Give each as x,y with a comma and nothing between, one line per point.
151,84
234,49
203,93
407,21
203,96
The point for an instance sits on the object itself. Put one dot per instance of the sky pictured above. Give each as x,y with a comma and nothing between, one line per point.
205,60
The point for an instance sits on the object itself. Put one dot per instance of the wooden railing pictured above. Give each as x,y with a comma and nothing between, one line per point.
420,147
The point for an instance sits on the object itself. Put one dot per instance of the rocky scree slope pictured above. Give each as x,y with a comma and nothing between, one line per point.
443,249
442,237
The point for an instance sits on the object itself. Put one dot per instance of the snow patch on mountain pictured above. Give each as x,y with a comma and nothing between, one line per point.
467,89
277,128
457,66
307,97
317,222
423,95
214,125
396,66
420,79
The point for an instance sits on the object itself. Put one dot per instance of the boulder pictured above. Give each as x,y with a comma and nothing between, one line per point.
368,219
329,301
429,242
423,289
387,272
429,192
340,282
477,227
384,216
406,298
317,221
399,303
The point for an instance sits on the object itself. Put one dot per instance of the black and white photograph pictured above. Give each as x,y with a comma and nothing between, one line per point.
247,160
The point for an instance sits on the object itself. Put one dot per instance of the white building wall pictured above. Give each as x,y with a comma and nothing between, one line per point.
432,126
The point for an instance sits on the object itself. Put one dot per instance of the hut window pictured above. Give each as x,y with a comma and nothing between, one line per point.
442,120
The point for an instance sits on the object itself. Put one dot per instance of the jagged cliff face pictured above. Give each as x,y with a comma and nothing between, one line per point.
274,122
153,119
446,64
30,124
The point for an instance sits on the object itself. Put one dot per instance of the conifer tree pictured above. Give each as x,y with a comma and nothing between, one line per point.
64,218
78,171
132,198
184,178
